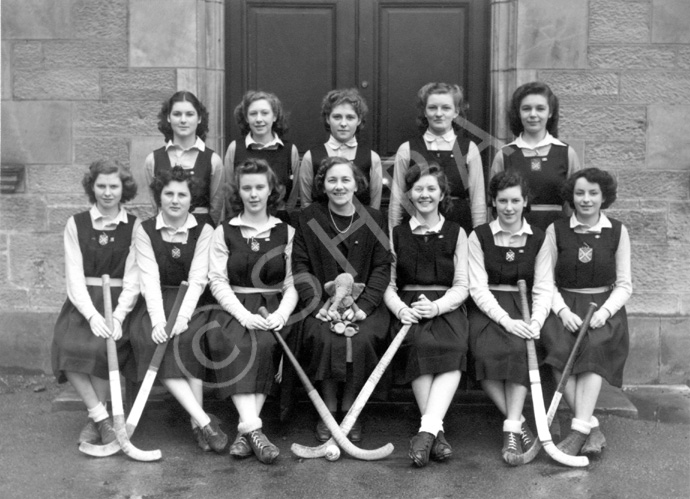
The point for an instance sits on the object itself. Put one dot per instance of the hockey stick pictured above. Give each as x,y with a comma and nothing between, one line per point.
326,449
538,398
569,365
326,416
116,390
144,390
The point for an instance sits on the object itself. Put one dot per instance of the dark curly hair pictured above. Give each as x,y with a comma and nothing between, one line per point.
455,92
505,180
106,167
175,174
607,184
280,125
335,98
417,171
255,166
319,192
166,109
533,87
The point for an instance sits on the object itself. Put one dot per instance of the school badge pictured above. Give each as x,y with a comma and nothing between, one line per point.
510,256
176,252
585,254
254,245
103,239
536,164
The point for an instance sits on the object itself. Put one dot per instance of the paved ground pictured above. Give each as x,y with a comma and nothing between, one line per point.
39,456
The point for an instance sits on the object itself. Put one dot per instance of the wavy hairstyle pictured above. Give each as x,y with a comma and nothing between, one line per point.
505,180
335,98
455,91
255,166
533,87
280,125
607,184
166,109
418,171
175,174
319,192
106,167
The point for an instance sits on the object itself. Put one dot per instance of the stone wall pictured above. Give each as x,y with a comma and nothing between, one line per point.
81,80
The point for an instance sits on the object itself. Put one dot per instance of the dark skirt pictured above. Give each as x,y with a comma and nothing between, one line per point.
603,351
243,360
432,346
76,349
323,352
498,354
184,356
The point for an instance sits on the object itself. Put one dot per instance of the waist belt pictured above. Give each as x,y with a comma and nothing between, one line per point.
246,290
97,281
589,291
546,207
424,287
503,287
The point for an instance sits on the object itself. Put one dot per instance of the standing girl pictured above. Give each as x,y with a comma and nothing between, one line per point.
249,269
591,253
333,237
343,112
262,121
97,242
501,253
428,285
173,247
543,160
183,121
438,105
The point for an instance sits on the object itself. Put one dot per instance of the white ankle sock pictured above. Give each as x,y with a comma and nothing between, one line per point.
251,425
98,413
512,426
203,422
581,426
431,424
594,422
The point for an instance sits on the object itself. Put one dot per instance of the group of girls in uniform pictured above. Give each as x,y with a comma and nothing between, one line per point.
440,264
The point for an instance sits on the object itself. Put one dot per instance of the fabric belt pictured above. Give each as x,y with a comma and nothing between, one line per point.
246,290
503,287
97,281
546,207
424,287
589,291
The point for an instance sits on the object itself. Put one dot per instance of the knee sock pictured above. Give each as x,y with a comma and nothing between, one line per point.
98,413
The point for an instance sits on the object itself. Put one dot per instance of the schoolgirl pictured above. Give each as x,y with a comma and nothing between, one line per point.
173,247
344,113
428,285
536,153
438,105
334,237
501,253
183,121
250,267
98,241
591,255
262,121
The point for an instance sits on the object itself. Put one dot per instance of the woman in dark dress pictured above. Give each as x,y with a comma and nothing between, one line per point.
428,286
591,254
337,234
97,242
250,268
501,253
173,247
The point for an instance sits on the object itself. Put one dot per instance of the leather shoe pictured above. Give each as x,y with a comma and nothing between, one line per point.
420,448
90,434
355,434
441,450
263,449
200,440
512,448
106,430
527,438
323,434
215,437
595,442
240,448
572,444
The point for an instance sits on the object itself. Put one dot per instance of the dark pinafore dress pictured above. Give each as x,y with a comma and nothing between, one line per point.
545,176
202,172
605,349
460,211
425,263
75,348
186,353
362,160
246,360
498,354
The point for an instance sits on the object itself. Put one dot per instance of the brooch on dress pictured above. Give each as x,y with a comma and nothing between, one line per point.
176,252
536,164
510,256
254,245
585,253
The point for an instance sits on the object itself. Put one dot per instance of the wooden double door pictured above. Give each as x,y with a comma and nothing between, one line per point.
387,49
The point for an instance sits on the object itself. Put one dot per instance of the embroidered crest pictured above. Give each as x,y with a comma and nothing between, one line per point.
103,239
536,164
254,245
176,252
585,253
510,256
